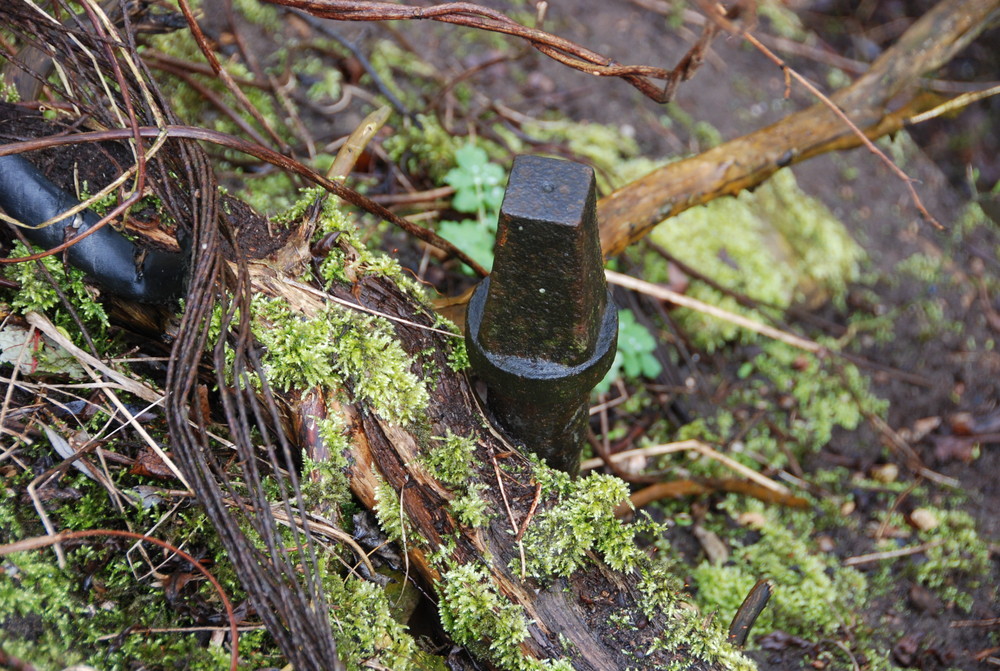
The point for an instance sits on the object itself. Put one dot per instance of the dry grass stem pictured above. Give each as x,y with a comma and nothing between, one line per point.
665,294
892,554
697,446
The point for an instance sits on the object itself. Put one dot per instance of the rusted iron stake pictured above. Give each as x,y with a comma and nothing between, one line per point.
542,330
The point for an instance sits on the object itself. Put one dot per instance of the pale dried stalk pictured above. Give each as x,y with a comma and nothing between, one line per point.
665,294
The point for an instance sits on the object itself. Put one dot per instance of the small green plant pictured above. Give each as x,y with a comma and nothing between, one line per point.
38,294
634,358
478,190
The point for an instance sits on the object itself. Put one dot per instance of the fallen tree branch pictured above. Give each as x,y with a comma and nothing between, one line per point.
632,211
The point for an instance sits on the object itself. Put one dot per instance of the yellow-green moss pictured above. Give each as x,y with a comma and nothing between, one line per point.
813,594
38,294
476,615
777,245
582,520
55,618
954,562
391,517
611,148
367,636
340,347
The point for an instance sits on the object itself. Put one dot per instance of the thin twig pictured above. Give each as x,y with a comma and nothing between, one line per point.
531,511
510,513
988,622
789,71
357,306
892,554
42,323
663,293
484,18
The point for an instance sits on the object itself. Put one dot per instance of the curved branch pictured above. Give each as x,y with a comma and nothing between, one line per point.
484,18
631,212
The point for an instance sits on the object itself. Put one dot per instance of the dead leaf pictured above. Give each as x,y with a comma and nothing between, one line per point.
148,463
954,448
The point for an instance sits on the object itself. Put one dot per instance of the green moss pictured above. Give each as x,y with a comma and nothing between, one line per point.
827,394
56,618
776,245
813,594
477,616
390,514
458,356
450,459
805,398
104,204
582,520
471,508
324,483
367,636
612,149
703,640
703,133
8,93
338,265
388,57
955,561
429,150
38,294
340,347
259,13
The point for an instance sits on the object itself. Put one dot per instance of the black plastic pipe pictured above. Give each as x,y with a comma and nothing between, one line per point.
114,262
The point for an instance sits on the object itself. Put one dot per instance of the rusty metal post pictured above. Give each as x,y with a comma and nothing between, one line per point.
542,329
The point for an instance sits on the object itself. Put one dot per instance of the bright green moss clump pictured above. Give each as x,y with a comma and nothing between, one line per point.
367,636
776,245
56,618
583,520
450,461
391,517
340,346
473,612
38,294
813,594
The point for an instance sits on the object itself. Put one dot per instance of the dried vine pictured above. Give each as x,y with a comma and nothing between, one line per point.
568,53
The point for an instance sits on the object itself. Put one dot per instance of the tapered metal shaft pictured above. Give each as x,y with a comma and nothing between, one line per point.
541,331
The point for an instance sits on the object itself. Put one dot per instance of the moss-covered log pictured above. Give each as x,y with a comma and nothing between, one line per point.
531,569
